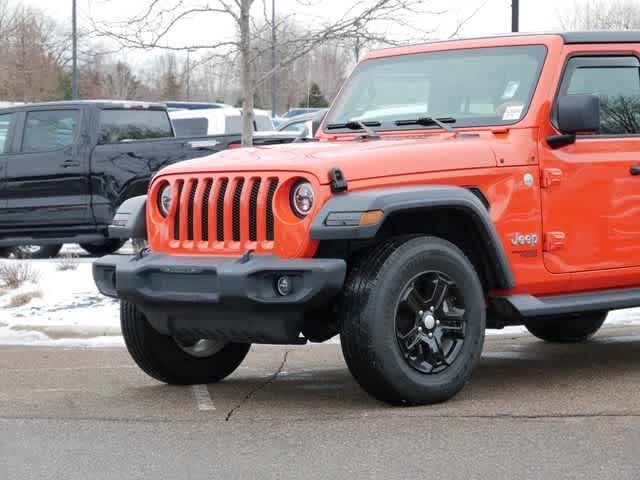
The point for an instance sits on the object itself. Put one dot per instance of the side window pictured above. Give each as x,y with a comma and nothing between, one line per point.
49,130
190,127
295,127
233,124
119,125
5,123
616,80
263,123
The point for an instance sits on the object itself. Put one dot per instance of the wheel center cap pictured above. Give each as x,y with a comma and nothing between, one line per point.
429,321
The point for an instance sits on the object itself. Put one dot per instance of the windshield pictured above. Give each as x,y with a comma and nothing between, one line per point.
476,87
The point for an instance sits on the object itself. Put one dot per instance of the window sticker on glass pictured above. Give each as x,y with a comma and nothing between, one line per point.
512,112
510,90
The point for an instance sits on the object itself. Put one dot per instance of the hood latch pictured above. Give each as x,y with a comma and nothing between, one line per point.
338,183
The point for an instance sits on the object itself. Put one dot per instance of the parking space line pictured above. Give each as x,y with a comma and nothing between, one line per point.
203,399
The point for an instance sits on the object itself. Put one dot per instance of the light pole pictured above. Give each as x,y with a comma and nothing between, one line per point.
273,58
74,54
515,15
356,47
189,50
188,74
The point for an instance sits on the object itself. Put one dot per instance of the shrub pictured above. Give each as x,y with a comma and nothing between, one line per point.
15,273
23,298
67,261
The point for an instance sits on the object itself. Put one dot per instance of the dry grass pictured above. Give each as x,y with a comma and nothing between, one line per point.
24,298
67,261
15,273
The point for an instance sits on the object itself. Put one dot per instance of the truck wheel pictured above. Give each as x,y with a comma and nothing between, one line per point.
103,248
174,361
413,320
566,328
36,251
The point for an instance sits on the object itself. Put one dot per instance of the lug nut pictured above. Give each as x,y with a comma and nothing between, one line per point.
430,335
420,313
420,329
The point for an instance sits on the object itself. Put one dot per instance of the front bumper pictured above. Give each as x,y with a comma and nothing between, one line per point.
220,297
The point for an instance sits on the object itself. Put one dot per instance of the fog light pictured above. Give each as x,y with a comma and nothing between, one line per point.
284,285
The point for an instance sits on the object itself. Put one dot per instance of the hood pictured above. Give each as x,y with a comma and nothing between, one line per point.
358,160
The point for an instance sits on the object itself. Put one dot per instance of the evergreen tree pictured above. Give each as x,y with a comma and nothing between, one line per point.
315,98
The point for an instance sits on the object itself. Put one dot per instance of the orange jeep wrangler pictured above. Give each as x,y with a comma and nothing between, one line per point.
452,187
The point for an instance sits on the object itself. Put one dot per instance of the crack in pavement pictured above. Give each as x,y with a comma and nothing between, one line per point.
252,392
306,418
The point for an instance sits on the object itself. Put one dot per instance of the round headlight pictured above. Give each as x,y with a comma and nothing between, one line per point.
164,200
302,197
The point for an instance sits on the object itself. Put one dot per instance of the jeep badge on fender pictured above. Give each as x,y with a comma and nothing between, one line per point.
528,239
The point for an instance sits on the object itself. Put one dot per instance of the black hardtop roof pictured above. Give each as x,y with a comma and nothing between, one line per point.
602,36
586,36
569,38
102,104
577,37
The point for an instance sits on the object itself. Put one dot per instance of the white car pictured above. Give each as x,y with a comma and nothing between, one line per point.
216,121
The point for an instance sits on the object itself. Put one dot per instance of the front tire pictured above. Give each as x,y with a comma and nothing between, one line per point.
414,320
176,361
566,328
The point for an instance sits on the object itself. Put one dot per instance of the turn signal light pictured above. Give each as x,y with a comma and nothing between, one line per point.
371,218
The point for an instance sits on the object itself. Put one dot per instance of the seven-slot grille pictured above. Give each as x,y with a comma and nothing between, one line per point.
225,209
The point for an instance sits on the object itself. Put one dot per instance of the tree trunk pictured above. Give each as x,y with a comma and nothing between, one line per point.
247,74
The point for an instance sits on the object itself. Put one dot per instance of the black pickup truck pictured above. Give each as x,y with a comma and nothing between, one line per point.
65,167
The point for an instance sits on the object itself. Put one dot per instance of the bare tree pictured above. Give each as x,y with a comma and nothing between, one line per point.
327,65
31,66
602,15
153,27
168,77
120,82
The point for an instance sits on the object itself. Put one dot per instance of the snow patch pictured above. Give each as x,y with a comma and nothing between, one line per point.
72,313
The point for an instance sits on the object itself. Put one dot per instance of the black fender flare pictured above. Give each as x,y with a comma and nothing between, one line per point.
339,218
130,220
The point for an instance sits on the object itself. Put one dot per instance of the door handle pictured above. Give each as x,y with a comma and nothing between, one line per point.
635,170
70,163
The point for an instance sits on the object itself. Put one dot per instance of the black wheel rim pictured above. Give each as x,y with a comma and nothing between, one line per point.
430,322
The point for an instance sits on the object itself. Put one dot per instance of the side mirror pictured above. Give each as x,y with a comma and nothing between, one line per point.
579,113
576,113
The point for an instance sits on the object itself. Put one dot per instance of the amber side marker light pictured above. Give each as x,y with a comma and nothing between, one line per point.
370,218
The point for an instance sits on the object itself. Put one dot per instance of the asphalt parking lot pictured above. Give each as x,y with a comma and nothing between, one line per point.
533,410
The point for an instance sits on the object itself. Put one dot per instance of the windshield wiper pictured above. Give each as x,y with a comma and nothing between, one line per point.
357,125
427,121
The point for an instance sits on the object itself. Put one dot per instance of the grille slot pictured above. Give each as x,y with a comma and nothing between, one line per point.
253,210
236,210
192,196
205,210
176,219
220,210
272,191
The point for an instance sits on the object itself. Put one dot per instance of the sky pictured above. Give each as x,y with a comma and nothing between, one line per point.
493,17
